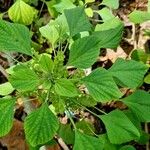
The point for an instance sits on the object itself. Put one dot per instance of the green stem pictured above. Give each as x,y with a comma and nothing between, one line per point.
101,111
86,109
74,126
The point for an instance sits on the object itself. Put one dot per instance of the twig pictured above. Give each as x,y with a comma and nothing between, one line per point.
2,70
62,143
146,130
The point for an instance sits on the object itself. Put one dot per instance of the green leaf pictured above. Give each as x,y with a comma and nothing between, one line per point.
139,103
107,145
105,14
127,147
7,115
112,23
138,16
114,4
65,87
128,73
101,86
62,26
84,52
46,63
86,100
89,1
24,79
119,128
109,33
64,4
66,133
21,12
77,20
86,142
50,32
147,79
85,126
40,126
51,9
6,88
139,55
89,12
14,38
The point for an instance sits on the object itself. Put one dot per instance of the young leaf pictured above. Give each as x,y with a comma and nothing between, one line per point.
6,115
139,55
6,88
51,9
138,16
112,23
21,12
14,38
65,87
40,126
46,63
139,103
109,34
128,73
64,4
147,79
89,1
119,128
105,14
77,20
114,4
24,79
101,86
86,142
50,32
84,52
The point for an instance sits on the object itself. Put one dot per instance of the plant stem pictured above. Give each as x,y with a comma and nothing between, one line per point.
87,109
2,70
41,8
66,47
101,111
74,126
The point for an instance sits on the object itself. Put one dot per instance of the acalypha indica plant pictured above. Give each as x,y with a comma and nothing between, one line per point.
57,78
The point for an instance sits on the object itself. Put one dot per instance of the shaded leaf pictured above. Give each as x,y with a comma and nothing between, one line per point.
66,133
86,142
119,128
127,147
139,103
